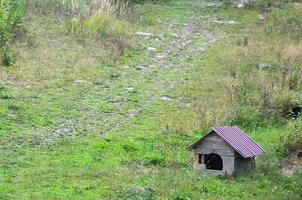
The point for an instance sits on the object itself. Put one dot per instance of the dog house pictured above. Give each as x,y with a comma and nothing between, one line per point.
225,151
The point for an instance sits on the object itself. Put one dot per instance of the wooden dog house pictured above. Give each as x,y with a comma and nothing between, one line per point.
225,151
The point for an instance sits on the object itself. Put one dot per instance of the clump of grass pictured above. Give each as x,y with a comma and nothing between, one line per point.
102,28
154,160
269,81
5,92
267,73
104,23
82,8
101,25
117,8
59,8
286,22
292,141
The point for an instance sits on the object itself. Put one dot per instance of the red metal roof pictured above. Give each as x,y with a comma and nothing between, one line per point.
237,139
241,142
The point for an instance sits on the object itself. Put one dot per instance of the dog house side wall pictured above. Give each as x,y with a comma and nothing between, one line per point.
243,164
212,143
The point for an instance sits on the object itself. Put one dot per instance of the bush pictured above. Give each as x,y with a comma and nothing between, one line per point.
11,18
293,141
8,58
154,160
5,92
287,22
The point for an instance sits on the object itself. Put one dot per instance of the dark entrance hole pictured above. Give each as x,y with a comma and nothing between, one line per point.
213,161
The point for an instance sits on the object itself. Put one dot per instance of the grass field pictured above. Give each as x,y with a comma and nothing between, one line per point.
101,112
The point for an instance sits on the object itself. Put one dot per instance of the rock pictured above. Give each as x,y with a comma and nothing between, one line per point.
261,17
295,112
132,113
263,66
145,34
161,56
80,81
244,4
151,49
174,35
213,5
166,99
130,89
231,22
299,153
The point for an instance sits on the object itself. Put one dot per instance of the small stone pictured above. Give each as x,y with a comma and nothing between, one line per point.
261,17
231,22
80,81
244,4
151,49
166,98
130,89
213,5
263,66
161,56
145,34
174,35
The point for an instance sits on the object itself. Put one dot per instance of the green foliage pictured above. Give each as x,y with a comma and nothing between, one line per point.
149,1
286,22
154,160
269,4
63,98
59,8
5,92
103,28
11,18
8,57
292,141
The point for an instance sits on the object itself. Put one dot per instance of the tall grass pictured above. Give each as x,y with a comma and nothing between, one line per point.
268,70
104,21
108,21
82,8
252,83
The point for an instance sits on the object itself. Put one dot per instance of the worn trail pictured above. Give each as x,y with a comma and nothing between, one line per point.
155,76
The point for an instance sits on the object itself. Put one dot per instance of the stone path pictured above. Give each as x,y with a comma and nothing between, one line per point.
133,88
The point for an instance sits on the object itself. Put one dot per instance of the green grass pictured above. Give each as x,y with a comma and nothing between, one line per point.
63,94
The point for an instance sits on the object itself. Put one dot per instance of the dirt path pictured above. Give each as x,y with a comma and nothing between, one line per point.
131,89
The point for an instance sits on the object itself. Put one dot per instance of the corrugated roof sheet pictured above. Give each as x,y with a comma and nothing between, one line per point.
236,138
241,142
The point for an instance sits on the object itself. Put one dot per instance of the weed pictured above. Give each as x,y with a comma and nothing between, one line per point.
154,160
8,58
5,92
292,141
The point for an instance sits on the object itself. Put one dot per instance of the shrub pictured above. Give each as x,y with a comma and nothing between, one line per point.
11,17
8,57
154,160
5,93
286,22
293,141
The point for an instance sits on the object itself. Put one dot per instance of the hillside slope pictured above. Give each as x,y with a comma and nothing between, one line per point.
83,119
